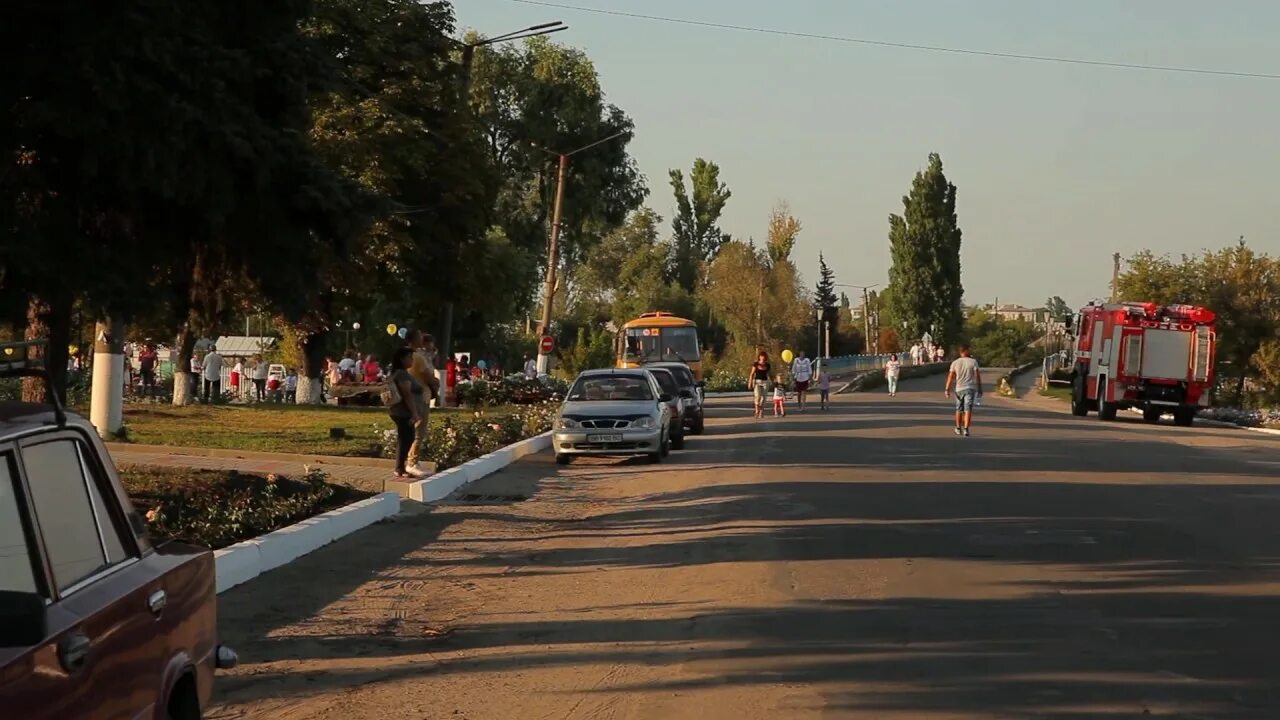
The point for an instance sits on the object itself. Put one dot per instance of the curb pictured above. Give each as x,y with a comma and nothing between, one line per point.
247,560
439,486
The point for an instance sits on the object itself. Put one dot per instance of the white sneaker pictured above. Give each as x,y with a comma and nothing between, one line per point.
414,471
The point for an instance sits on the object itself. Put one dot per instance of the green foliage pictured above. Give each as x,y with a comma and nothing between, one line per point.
1058,309
218,508
726,380
924,281
460,439
594,349
1001,343
824,294
696,237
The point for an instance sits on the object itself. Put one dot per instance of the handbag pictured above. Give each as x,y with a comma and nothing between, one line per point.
391,395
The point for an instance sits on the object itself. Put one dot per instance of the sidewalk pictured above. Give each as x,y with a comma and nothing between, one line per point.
366,474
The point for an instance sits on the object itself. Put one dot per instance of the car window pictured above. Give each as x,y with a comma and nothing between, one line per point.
16,570
65,509
666,382
610,387
108,528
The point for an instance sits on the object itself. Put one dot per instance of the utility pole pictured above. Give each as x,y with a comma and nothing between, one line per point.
866,319
1115,278
553,248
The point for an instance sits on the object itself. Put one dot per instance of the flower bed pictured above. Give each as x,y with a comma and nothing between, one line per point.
511,390
218,508
459,438
1244,418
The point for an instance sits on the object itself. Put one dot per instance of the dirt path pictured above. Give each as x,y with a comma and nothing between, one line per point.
860,563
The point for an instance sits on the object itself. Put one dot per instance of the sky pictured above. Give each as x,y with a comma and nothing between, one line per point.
1058,166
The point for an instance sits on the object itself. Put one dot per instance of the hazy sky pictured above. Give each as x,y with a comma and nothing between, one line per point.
1058,166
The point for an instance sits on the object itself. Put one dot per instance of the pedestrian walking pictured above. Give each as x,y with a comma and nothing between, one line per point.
779,398
530,368
147,361
423,370
409,412
966,377
892,370
802,374
758,377
824,386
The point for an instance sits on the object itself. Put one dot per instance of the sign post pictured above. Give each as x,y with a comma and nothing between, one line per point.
546,346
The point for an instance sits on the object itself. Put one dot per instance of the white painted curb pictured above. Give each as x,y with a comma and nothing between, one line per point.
439,486
247,560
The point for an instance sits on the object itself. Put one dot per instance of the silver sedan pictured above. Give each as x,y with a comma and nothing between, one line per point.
613,412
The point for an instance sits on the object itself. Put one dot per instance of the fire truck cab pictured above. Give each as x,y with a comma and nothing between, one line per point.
1156,358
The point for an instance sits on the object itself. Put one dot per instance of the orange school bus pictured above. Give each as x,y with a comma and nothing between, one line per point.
659,337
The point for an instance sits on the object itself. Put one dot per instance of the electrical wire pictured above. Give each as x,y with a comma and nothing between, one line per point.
905,46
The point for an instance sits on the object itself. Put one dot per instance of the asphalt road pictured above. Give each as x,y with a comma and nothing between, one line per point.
861,563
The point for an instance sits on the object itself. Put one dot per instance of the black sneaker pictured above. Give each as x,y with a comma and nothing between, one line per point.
966,432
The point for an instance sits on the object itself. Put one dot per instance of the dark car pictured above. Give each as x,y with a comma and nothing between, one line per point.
671,389
95,621
690,392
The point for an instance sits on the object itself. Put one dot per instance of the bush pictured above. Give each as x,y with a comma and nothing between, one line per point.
455,440
218,508
723,380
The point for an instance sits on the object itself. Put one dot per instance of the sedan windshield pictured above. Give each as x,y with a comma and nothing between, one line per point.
590,388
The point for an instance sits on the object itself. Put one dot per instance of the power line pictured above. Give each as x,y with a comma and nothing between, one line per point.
905,46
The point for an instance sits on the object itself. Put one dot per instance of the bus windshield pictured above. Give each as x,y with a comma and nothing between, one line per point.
656,344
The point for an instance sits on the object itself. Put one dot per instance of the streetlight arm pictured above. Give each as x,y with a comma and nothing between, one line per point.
598,142
521,35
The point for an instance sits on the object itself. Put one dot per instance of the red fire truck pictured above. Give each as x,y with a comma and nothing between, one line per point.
1158,358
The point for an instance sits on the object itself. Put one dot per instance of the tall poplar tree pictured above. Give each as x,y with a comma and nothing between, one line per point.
924,290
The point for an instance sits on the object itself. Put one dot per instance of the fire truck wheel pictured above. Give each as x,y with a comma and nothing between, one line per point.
1151,414
1184,418
1106,410
1079,406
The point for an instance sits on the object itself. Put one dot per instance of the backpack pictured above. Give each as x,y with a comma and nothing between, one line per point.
391,394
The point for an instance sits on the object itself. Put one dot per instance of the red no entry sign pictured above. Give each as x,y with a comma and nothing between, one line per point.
546,345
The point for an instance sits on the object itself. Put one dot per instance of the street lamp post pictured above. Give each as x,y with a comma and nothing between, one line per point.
468,59
553,246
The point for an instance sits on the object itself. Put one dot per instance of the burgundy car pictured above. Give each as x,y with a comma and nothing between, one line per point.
95,621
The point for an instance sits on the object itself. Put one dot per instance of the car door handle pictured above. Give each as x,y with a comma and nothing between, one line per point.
73,652
157,601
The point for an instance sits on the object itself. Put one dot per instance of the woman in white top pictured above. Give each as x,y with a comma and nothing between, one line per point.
891,371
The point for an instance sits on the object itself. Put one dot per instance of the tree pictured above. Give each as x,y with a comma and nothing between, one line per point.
997,342
696,238
531,101
784,230
825,292
1058,309
924,290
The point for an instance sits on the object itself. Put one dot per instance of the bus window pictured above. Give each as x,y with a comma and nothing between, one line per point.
680,343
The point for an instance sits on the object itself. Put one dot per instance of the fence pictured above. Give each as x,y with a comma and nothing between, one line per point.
861,363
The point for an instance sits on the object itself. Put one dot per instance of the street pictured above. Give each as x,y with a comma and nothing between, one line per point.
863,563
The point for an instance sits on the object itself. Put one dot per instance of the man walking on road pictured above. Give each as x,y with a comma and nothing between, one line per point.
966,378
802,373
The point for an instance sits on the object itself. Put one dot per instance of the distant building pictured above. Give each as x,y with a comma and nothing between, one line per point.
1018,312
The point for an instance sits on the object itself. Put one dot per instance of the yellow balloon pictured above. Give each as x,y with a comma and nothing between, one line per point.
391,329
787,356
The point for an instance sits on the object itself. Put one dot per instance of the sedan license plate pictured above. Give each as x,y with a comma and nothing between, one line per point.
614,438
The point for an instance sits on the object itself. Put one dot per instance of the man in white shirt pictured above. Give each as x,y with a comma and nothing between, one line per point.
966,378
211,371
530,368
802,374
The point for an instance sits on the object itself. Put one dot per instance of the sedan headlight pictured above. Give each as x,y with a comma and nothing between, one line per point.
565,423
644,422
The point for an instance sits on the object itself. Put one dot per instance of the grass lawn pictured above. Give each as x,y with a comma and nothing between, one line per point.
302,429
217,508
1059,392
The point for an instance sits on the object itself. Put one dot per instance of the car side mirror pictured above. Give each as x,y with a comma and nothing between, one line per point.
23,619
664,398
686,394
